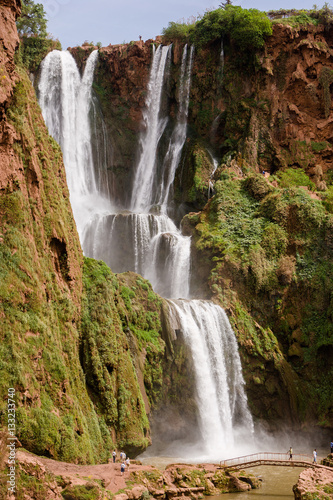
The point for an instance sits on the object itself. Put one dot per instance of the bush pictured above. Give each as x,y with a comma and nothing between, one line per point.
176,31
33,49
294,177
257,186
246,27
328,200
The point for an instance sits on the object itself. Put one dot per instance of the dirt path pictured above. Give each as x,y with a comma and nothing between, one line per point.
79,474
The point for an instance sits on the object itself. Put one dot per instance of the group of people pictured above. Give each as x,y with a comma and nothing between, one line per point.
124,461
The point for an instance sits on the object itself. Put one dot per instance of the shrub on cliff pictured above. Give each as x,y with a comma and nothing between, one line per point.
294,177
246,27
176,31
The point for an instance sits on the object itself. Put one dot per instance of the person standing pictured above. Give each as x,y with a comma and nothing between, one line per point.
122,468
314,456
114,456
332,445
127,462
290,453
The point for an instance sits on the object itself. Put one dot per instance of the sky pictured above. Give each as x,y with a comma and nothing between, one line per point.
117,21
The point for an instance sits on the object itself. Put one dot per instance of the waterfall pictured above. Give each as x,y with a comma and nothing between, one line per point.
66,99
221,399
147,244
144,239
215,165
155,123
178,137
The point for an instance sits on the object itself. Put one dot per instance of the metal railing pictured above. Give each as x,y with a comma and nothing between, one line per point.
269,457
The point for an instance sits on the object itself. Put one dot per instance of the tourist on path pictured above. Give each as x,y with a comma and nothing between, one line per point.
332,445
290,453
314,456
127,462
114,456
122,468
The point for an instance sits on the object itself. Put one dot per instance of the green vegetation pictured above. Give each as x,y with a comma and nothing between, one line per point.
118,313
32,21
267,241
294,177
32,51
247,28
35,41
177,31
296,18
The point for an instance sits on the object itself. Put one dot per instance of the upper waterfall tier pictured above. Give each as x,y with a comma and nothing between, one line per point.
154,176
155,123
66,101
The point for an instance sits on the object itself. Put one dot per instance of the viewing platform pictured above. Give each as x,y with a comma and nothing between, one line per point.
277,459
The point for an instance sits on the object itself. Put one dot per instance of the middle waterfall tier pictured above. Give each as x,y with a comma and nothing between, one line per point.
148,244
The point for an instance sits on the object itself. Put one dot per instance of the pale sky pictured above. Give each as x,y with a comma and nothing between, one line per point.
118,21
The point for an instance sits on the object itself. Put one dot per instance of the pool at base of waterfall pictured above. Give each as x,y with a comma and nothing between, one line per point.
277,484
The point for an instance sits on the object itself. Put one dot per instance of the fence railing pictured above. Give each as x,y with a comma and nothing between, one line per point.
269,457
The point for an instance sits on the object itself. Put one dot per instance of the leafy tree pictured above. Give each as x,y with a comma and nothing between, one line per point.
246,27
176,31
32,21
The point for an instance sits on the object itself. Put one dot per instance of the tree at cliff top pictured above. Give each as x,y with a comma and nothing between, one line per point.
246,27
32,20
32,29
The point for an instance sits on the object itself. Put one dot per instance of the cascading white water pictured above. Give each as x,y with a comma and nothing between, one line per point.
222,402
147,244
65,99
215,165
155,123
178,136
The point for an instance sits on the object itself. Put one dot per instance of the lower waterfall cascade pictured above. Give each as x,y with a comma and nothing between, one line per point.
142,238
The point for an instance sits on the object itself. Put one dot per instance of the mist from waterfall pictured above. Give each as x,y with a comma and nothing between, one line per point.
143,238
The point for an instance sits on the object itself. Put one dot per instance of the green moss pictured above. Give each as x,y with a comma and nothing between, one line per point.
118,312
